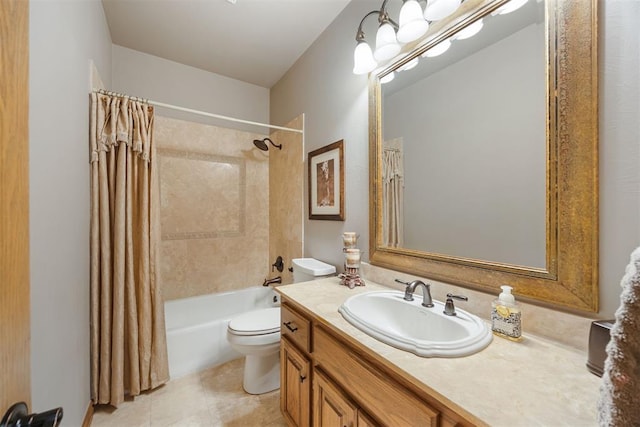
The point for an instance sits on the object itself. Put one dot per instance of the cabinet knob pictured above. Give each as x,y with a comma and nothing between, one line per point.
302,378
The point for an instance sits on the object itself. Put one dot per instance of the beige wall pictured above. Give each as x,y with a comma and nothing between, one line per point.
321,84
161,80
214,213
334,102
64,37
286,172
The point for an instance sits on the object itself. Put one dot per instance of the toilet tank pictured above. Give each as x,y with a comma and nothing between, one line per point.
305,269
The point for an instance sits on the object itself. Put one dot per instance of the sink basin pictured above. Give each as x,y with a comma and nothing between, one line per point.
407,325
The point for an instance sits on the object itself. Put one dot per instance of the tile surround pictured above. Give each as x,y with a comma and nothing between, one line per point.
193,180
286,180
215,238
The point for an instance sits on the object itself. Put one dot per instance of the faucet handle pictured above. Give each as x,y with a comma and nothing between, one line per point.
408,292
449,307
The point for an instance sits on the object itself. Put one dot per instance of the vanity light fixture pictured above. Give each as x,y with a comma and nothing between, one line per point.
387,78
414,23
439,9
509,7
363,62
387,45
469,31
409,65
438,49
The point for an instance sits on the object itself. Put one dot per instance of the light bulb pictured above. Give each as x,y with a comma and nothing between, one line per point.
412,23
509,7
469,31
438,9
438,49
409,65
363,61
387,78
386,44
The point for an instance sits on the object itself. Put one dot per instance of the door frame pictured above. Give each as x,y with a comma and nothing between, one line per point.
15,355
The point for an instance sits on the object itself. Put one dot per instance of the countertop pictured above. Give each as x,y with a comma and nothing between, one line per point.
533,382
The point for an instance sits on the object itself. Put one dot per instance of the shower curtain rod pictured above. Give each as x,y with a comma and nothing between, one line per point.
200,113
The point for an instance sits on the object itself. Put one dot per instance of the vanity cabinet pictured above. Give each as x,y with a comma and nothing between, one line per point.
375,391
350,388
296,327
332,408
295,367
295,385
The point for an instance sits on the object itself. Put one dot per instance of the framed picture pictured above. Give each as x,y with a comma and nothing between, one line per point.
326,182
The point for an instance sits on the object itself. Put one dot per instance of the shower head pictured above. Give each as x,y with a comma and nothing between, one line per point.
262,144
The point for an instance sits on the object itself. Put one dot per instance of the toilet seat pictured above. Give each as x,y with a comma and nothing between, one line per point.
258,322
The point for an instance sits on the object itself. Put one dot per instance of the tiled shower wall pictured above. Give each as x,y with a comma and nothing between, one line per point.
286,180
214,208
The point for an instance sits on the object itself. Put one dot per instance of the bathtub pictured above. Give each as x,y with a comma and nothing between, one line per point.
197,327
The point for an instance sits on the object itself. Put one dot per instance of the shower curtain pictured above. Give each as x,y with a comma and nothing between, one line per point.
392,193
128,342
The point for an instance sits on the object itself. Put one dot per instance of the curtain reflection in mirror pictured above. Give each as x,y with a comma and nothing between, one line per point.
393,193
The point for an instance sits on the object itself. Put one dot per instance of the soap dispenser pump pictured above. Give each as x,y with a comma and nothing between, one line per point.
506,316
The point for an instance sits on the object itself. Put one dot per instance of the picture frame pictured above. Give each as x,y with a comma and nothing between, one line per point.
326,182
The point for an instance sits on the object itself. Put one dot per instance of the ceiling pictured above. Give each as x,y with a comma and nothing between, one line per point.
255,41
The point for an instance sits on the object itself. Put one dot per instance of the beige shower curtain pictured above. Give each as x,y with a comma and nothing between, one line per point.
128,342
392,194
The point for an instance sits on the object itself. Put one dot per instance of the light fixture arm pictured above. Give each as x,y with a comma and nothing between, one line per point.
360,33
384,16
390,36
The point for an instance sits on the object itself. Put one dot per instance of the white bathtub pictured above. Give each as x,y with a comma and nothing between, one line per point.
197,327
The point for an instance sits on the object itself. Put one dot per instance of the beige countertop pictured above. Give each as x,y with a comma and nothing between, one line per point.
533,382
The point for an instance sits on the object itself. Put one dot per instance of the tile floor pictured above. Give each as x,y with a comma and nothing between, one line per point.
213,397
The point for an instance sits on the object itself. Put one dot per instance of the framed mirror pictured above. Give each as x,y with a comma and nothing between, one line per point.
484,157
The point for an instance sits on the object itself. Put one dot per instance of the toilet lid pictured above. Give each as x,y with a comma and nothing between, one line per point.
257,322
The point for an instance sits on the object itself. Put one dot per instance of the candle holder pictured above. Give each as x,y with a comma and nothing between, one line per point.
349,240
351,276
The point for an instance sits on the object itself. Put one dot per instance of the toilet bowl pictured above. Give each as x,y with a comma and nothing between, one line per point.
256,335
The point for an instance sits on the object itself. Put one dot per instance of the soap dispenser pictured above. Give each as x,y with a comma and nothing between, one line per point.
506,317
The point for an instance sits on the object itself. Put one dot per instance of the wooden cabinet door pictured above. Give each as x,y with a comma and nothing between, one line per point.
365,421
295,385
331,407
374,390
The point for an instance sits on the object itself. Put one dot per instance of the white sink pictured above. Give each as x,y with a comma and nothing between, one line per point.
407,325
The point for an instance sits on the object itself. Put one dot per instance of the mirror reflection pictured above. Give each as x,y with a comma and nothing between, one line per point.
464,151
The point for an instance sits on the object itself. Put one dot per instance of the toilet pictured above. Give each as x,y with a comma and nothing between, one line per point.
256,334
305,269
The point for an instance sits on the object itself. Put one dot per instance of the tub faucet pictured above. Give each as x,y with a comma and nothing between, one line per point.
267,282
411,287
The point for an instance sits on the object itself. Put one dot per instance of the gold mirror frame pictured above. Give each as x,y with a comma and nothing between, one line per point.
570,279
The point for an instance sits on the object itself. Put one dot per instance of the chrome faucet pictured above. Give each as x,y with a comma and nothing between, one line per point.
411,287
